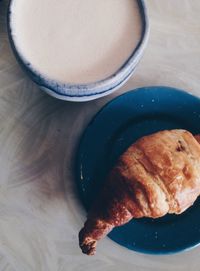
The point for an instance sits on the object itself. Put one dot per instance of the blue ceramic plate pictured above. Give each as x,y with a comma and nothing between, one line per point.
114,128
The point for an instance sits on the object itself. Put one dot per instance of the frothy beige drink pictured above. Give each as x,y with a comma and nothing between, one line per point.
76,41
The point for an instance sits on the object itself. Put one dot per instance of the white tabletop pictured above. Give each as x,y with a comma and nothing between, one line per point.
39,218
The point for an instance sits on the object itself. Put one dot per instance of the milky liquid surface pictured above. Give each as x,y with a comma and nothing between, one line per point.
76,41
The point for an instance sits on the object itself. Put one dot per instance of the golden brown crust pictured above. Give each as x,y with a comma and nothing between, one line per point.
173,159
159,174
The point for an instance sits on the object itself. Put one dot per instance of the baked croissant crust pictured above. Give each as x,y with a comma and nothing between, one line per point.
158,174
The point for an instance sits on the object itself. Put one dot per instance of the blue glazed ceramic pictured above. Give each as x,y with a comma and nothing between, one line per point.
91,91
121,122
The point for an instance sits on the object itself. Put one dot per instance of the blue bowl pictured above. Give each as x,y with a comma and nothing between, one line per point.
120,123
91,91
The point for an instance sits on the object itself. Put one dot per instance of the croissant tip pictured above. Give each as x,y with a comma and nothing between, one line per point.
89,248
87,244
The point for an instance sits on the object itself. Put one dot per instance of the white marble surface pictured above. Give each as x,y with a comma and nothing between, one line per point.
39,219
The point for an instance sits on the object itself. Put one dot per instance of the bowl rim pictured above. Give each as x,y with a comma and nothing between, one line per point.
89,91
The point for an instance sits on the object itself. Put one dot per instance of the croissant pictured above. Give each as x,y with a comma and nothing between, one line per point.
158,174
